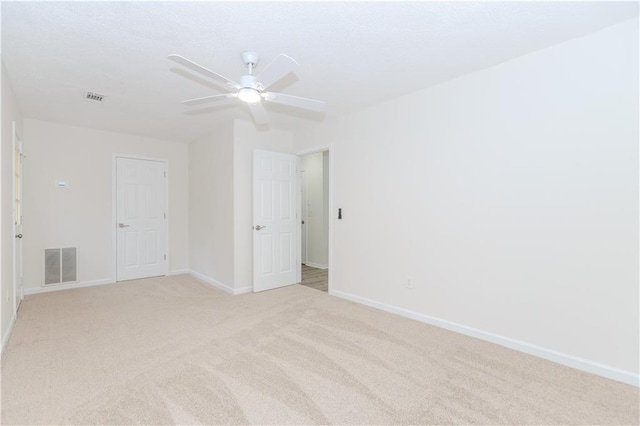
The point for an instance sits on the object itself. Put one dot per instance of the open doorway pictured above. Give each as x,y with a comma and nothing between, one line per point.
315,219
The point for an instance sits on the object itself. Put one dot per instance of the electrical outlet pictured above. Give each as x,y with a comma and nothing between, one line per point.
409,284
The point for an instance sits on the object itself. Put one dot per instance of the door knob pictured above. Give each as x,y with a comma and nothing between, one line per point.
122,225
258,227
19,236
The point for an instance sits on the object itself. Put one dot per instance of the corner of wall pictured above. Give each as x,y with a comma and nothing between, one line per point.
211,252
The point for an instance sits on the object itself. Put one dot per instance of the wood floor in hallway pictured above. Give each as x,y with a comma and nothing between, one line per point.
315,278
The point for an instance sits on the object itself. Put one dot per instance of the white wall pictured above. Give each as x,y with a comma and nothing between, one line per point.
81,215
211,206
316,209
10,113
509,195
246,140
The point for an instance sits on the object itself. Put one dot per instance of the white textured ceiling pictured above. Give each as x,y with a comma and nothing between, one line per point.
350,54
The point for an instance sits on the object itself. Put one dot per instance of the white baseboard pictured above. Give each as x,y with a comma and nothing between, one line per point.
58,287
6,334
215,283
243,290
518,345
316,265
178,272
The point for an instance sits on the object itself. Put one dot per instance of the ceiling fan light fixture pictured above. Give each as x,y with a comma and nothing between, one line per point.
249,95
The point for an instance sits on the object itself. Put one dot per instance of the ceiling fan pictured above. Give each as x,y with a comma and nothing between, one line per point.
252,89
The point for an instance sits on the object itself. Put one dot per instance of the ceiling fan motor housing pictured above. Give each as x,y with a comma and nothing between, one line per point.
248,81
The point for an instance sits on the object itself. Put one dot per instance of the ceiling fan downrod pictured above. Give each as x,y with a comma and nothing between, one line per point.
250,60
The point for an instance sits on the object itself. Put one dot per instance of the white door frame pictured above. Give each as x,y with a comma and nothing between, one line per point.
301,154
114,213
304,236
298,201
17,275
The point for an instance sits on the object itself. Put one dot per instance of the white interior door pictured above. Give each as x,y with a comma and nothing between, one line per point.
141,220
275,220
18,292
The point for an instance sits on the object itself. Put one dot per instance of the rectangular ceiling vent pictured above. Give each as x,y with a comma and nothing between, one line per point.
94,97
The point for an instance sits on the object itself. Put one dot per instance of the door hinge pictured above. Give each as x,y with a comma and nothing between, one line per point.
165,257
165,215
165,174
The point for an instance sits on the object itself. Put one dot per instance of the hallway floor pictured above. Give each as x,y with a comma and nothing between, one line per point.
315,278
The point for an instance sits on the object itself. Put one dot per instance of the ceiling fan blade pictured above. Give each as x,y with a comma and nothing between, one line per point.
259,113
207,99
295,101
276,70
202,70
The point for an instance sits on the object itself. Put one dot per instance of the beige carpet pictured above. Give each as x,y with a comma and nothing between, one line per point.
174,350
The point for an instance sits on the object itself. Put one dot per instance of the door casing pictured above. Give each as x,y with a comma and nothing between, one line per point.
18,285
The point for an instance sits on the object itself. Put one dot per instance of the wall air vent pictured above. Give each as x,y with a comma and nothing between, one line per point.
60,265
94,97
